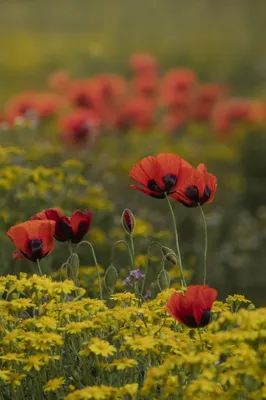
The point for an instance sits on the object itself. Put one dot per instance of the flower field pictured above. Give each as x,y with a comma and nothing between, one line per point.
126,271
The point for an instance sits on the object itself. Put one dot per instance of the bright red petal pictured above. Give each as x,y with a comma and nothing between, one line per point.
173,306
143,190
18,255
19,235
167,164
204,298
144,170
46,232
79,217
53,214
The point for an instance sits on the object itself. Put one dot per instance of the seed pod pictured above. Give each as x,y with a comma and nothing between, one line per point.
170,255
163,280
110,278
128,221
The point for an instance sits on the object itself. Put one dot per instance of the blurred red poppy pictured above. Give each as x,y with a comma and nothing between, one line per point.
34,239
32,106
196,188
79,127
72,228
59,81
81,93
194,308
207,97
146,85
143,64
136,113
159,176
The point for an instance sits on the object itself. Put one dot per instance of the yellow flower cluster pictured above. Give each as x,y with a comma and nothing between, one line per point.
53,339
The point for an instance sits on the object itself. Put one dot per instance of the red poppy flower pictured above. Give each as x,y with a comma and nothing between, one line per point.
59,80
67,229
159,175
145,85
197,188
194,308
79,127
34,239
81,93
207,98
138,113
143,64
32,106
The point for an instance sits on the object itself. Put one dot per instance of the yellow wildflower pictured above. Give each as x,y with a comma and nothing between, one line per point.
53,384
122,364
99,347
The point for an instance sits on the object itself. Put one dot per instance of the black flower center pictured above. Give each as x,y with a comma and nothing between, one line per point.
169,181
63,231
83,101
191,322
36,249
192,194
82,230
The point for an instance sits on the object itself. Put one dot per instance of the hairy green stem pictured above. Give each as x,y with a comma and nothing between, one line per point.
183,282
70,247
96,264
205,245
129,251
39,267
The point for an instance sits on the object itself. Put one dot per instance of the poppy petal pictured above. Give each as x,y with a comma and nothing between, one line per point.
173,306
46,234
53,214
205,298
149,192
144,170
19,235
168,164
18,255
80,223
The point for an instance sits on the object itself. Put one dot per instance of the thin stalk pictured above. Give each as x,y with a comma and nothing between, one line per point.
39,267
96,265
129,251
205,245
202,342
70,248
147,262
132,249
183,282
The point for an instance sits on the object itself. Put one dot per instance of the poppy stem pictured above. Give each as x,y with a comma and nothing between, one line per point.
96,264
132,249
202,343
183,282
205,246
147,262
129,251
39,267
70,247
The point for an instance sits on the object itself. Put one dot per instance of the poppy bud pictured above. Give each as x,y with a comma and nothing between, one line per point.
170,255
128,221
110,278
163,280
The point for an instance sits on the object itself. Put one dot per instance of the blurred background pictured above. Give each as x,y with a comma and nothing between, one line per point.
89,88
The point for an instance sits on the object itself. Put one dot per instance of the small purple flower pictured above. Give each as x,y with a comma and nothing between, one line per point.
147,295
136,274
127,281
